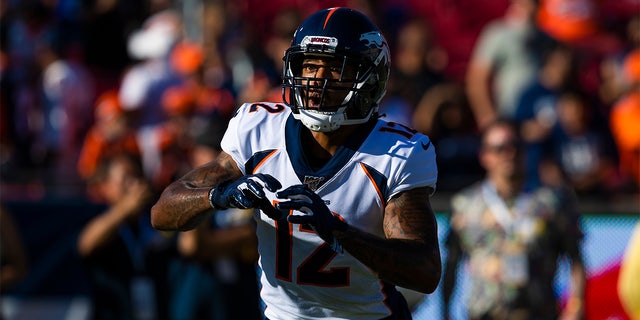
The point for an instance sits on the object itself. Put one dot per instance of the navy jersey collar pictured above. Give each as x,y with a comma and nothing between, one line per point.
293,138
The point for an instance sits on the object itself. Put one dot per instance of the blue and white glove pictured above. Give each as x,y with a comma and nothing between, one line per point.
244,193
317,214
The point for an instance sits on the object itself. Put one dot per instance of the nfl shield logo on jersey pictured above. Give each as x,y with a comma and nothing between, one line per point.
313,182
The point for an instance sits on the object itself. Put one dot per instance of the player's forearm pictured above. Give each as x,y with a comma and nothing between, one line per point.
180,207
185,202
411,264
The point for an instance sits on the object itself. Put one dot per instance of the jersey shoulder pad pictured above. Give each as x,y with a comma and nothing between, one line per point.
400,139
411,153
251,115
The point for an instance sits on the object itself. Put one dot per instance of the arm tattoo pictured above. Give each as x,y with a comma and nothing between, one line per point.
409,255
224,168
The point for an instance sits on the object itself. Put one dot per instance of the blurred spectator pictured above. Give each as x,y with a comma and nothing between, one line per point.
112,243
202,75
418,65
26,25
186,58
32,25
190,108
584,154
67,107
456,25
14,266
513,238
173,136
173,92
568,21
506,57
628,288
264,83
222,254
144,83
220,28
624,120
105,25
579,24
536,111
613,81
418,62
109,135
445,116
218,276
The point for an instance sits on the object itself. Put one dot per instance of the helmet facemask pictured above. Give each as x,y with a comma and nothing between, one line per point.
324,104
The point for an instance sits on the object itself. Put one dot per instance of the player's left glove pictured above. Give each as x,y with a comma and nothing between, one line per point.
317,214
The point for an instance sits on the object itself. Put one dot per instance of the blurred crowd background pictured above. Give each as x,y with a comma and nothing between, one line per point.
72,69
85,81
77,77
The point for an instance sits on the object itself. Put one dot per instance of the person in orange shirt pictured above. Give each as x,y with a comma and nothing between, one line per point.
110,134
200,69
173,138
624,119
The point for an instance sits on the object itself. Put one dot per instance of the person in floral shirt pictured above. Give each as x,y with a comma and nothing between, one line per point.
512,238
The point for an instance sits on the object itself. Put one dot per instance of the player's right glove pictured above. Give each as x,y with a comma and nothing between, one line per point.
244,193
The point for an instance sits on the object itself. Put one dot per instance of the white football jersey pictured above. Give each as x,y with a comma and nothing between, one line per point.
302,277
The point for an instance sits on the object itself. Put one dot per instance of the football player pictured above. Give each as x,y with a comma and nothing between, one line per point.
343,195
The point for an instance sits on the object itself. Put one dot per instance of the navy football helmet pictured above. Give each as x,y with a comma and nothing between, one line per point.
350,38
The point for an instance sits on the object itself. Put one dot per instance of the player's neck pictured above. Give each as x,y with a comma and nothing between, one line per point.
319,147
328,142
315,154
